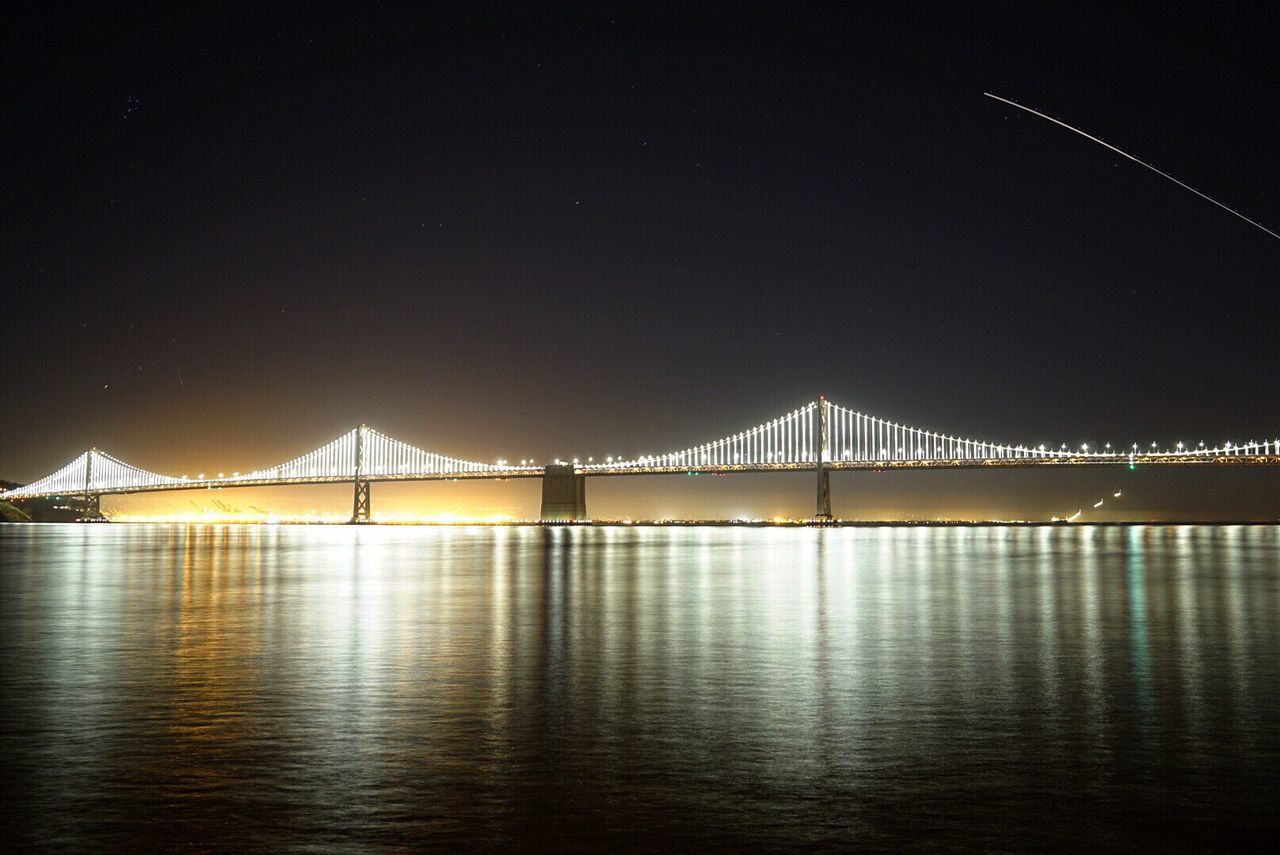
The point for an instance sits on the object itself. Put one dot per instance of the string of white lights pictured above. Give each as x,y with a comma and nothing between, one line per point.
785,440
788,440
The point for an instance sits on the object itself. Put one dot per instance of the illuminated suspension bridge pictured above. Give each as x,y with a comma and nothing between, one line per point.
820,437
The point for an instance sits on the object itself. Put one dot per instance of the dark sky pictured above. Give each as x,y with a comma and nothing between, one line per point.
230,235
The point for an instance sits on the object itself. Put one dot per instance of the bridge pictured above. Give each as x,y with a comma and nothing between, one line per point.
820,437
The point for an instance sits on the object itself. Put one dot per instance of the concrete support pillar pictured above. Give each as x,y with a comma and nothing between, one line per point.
564,494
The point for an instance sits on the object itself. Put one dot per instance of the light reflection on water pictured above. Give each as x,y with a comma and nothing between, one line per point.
311,687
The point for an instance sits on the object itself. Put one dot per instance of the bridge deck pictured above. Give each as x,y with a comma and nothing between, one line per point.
847,439
990,463
1160,460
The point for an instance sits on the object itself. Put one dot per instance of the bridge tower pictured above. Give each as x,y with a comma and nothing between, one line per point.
361,504
823,513
92,501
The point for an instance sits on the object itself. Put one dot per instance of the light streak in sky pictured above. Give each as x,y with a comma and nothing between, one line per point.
1135,160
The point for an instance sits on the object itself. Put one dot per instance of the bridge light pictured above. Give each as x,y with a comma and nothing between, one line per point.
575,461
1084,446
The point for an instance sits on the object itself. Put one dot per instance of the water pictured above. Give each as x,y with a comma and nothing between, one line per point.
312,688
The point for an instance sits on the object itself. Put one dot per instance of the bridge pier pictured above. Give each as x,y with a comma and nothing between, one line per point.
823,513
564,494
92,508
361,505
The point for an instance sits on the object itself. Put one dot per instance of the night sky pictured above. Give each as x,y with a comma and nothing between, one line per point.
231,235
